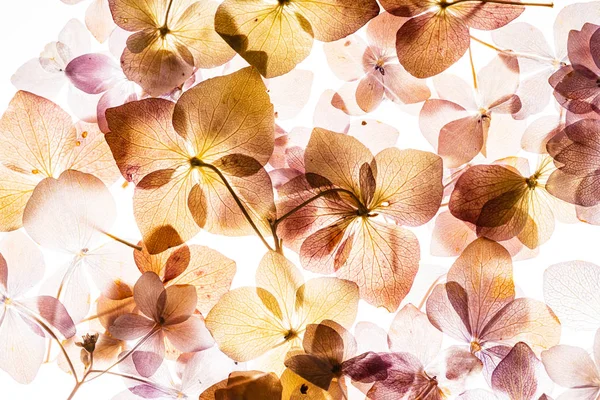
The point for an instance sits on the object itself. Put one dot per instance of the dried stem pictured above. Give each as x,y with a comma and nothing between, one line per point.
238,202
123,241
511,53
472,67
433,285
38,320
123,357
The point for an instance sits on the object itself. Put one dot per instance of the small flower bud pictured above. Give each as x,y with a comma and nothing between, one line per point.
89,342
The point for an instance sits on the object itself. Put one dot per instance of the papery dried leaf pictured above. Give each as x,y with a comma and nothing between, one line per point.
257,29
569,288
70,213
517,374
576,153
407,331
571,367
170,39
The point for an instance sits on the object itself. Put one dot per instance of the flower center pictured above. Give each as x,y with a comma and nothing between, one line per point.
195,162
475,346
290,335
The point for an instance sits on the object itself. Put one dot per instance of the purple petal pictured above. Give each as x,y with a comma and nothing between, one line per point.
93,73
53,312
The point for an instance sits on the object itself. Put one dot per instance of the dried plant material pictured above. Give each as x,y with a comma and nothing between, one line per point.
184,156
351,188
170,39
274,36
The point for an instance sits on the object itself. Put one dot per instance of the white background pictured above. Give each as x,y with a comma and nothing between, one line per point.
27,25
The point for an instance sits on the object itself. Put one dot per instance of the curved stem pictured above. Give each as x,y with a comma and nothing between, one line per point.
167,14
122,358
433,285
238,202
315,197
107,312
511,53
123,241
46,328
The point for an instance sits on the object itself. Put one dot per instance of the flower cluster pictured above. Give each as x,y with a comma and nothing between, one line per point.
185,116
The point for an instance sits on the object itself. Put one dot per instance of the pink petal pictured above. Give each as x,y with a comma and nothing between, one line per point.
402,88
436,114
33,78
327,116
454,89
190,335
290,92
374,134
53,312
517,375
75,37
149,356
345,57
179,303
93,73
570,366
146,294
131,326
407,331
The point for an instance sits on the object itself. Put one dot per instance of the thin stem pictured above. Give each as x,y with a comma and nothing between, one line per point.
122,375
472,67
315,197
75,389
122,358
433,285
167,14
238,202
508,2
85,375
43,325
123,241
511,53
107,312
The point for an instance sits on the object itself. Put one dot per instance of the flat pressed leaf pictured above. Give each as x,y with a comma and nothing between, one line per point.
160,203
227,115
275,37
431,43
409,185
570,290
517,374
70,213
142,138
484,270
332,299
383,261
244,325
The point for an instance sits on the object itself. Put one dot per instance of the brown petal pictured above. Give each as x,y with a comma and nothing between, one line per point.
336,157
369,92
493,198
142,138
431,43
